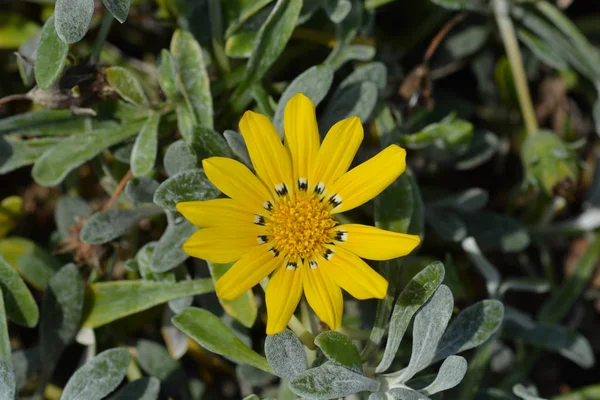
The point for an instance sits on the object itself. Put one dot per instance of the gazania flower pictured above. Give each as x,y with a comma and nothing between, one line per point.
280,222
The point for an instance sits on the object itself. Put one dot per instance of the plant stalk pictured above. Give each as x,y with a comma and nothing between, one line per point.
509,38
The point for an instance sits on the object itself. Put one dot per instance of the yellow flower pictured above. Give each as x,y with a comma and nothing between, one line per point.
281,222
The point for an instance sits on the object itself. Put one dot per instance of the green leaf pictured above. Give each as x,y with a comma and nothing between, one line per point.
357,99
51,56
105,226
7,381
5,348
141,189
337,10
330,381
21,307
451,372
68,212
125,83
473,326
109,301
180,157
26,364
98,377
238,146
155,360
186,121
476,5
209,143
526,393
32,123
168,253
418,290
118,8
486,269
482,148
212,334
558,305
72,19
167,74
145,148
469,200
285,353
339,350
32,262
375,72
271,41
496,231
185,186
446,224
241,44
146,388
62,307
54,165
314,83
238,12
243,309
542,50
193,78
585,393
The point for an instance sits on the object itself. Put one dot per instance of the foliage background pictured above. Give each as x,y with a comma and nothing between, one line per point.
104,124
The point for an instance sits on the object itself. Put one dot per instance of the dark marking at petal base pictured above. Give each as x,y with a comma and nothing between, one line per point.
262,239
335,200
281,189
268,205
259,220
274,251
328,254
319,188
303,184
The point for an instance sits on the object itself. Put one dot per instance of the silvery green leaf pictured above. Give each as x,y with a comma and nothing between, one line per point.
145,148
253,376
72,19
193,77
156,361
375,72
16,153
339,350
489,272
209,143
542,50
169,253
118,8
526,393
568,343
418,291
54,165
167,74
240,11
531,285
587,221
357,99
377,396
141,189
468,41
186,122
98,377
127,85
146,388
7,381
482,148
429,326
108,225
330,381
475,5
337,10
180,157
5,350
69,210
496,231
26,364
285,353
446,224
51,56
238,146
451,372
406,393
142,259
21,307
188,185
64,296
470,200
314,83
472,327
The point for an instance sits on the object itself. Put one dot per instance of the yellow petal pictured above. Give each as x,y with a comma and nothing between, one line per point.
368,179
217,212
374,243
354,275
235,180
270,159
337,151
253,267
222,244
323,296
282,297
301,135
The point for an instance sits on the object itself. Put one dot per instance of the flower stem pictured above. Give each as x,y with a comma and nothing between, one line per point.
105,25
509,38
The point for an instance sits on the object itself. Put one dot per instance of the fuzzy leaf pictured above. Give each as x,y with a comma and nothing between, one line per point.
7,381
167,74
209,143
21,307
357,99
285,353
451,372
127,85
54,165
16,153
141,189
72,19
420,288
337,10
146,388
118,8
339,350
31,261
145,148
212,334
331,381
155,360
238,146
51,56
109,301
98,377
185,186
180,157
5,351
68,212
108,225
168,252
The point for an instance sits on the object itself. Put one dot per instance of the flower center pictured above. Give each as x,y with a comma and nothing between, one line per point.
299,225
